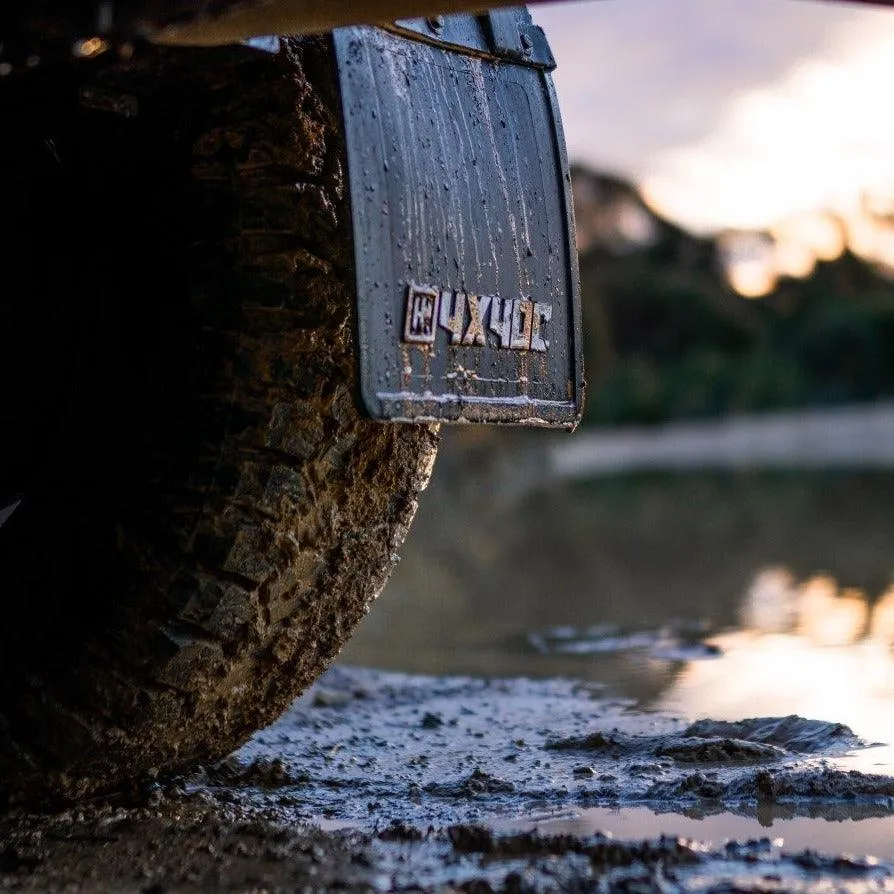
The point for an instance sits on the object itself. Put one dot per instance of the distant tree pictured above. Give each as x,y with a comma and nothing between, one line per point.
666,337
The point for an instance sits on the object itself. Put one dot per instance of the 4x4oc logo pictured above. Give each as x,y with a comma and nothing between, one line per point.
514,323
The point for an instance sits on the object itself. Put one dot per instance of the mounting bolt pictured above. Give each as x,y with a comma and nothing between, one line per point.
436,23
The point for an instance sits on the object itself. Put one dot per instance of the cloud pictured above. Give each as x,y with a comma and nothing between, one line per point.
698,97
819,138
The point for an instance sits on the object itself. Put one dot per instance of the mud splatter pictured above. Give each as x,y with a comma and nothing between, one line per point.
357,788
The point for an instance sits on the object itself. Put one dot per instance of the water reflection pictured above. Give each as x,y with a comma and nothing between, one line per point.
811,648
817,609
727,595
854,835
678,641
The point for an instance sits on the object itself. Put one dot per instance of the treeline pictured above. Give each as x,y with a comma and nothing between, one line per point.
666,337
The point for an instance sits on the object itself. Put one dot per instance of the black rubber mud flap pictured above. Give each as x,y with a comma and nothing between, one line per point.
467,283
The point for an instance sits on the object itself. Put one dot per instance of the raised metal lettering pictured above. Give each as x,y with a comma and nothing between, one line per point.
522,323
518,323
453,315
422,311
478,306
543,313
501,319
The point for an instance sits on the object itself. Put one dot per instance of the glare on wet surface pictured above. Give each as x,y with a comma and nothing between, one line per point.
872,836
812,649
699,596
544,658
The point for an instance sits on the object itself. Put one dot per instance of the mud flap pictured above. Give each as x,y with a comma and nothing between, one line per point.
467,284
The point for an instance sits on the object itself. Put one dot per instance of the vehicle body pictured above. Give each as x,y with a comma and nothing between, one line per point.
226,267
195,505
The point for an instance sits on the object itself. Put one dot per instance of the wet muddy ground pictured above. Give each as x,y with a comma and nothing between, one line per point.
670,683
381,781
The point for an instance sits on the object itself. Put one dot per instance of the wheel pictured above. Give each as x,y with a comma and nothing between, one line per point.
204,514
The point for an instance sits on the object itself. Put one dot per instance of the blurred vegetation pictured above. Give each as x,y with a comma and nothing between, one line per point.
667,337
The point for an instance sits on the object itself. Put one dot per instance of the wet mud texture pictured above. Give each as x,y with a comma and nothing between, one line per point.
429,775
206,515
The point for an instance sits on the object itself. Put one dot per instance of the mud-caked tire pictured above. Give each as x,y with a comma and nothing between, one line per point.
205,514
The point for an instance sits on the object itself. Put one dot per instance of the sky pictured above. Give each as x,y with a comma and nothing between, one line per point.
752,114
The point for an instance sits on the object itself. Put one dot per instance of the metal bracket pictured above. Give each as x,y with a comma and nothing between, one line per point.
499,34
516,37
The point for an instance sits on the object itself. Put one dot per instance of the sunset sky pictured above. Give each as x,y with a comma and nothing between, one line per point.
731,113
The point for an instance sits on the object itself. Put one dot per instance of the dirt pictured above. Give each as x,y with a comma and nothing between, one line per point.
378,781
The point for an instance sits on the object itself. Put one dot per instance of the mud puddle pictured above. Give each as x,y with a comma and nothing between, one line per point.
636,696
369,748
459,783
844,830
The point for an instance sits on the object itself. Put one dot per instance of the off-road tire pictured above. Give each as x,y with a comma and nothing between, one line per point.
206,514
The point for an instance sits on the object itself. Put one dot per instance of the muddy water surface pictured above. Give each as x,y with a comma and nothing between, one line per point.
645,684
723,596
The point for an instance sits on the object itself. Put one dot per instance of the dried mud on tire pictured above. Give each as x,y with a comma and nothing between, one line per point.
207,516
